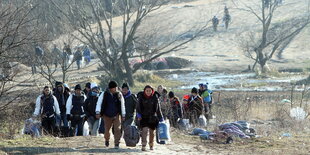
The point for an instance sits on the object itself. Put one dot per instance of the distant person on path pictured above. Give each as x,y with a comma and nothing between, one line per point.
86,54
68,53
39,53
226,18
57,53
215,23
78,57
48,109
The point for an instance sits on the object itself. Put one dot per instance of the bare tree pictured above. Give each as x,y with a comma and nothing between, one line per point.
273,37
17,31
116,46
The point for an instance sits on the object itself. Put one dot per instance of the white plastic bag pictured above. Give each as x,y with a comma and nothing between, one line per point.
86,129
202,121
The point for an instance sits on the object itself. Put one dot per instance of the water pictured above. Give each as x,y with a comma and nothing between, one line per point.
233,82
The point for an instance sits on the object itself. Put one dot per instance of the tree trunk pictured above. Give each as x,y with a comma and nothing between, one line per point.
129,74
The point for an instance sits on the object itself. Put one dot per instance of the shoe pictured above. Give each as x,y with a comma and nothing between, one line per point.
116,146
107,143
143,148
151,147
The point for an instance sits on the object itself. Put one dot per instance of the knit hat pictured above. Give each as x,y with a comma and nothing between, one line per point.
88,85
194,90
112,84
93,85
186,97
125,85
78,86
57,83
171,94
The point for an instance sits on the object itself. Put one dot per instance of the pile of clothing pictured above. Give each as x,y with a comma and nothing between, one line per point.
227,131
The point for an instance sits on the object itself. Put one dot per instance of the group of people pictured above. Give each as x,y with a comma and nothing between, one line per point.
64,57
116,107
226,20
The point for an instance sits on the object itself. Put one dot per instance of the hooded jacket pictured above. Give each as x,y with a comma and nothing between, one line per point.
62,97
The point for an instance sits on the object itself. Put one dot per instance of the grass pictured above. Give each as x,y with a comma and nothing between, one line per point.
144,78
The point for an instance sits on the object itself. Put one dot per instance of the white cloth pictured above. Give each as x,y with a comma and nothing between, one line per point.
69,103
38,110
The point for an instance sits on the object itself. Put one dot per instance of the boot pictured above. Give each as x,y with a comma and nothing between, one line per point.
143,148
151,146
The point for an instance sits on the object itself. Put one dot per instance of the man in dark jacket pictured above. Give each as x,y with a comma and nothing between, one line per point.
62,97
75,110
111,106
130,104
90,109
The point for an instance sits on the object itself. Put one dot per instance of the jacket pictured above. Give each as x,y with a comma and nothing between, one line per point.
69,105
38,109
176,108
90,106
106,104
148,107
130,104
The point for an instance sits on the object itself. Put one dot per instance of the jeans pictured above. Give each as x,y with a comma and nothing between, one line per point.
77,123
78,63
93,124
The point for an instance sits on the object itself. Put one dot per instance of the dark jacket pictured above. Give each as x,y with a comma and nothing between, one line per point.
90,106
62,98
176,109
111,104
196,104
130,104
148,110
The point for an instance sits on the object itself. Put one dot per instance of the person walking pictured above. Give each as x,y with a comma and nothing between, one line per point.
149,115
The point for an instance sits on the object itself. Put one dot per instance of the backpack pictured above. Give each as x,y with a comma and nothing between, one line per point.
207,96
47,109
131,135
